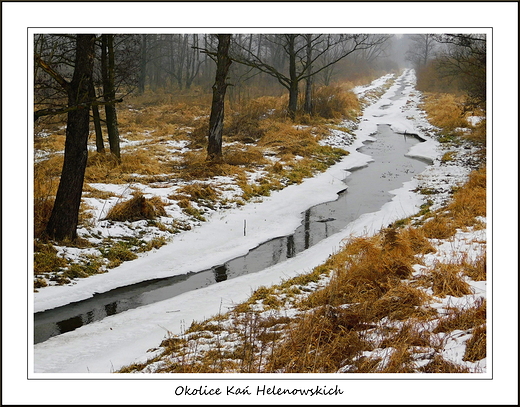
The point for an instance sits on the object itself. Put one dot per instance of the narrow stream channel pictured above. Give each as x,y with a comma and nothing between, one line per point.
367,192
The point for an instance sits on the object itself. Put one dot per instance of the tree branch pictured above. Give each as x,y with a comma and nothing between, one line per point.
55,75
53,112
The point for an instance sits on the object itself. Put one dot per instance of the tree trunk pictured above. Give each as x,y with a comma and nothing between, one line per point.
100,147
293,99
307,107
293,77
216,119
142,72
107,68
182,59
64,217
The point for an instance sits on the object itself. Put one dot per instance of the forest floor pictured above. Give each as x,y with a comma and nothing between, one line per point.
423,311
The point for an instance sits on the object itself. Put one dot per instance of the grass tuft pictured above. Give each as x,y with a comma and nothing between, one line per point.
137,208
440,365
476,345
446,279
464,318
46,259
445,111
332,102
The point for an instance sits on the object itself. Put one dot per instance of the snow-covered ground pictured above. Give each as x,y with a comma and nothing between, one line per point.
118,340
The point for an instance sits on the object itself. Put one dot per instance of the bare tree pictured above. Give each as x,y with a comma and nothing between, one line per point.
109,92
216,119
465,59
421,49
302,52
143,60
96,118
54,56
307,106
64,217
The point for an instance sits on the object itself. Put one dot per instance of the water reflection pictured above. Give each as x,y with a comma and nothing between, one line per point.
291,248
220,273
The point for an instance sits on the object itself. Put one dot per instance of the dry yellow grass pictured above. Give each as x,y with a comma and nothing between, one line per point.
287,139
438,227
137,208
445,110
45,188
52,143
401,302
417,240
478,134
249,122
476,270
333,102
106,168
156,111
464,318
476,347
195,166
198,192
447,279
468,203
368,273
318,343
439,365
246,155
366,288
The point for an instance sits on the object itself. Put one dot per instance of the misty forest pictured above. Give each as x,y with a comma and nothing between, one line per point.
142,141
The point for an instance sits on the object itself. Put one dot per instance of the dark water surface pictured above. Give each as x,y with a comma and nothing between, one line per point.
367,192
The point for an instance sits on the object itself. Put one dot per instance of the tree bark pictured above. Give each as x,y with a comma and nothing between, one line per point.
64,217
307,107
216,120
107,68
293,76
100,146
142,72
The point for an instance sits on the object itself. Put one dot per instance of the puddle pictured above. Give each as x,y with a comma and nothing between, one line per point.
367,192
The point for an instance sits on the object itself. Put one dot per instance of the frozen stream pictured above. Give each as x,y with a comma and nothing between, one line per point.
366,190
